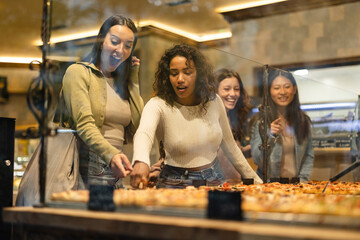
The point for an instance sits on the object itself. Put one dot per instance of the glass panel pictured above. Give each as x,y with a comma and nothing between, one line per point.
331,104
332,108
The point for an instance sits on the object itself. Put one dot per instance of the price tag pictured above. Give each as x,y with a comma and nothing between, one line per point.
284,180
198,183
224,205
274,179
295,180
248,181
101,198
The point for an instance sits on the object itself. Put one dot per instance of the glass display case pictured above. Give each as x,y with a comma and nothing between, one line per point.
333,124
301,132
331,109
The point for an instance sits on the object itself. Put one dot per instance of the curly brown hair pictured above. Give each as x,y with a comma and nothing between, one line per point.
240,113
205,88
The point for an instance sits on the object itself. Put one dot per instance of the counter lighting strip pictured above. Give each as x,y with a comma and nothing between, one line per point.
19,60
322,106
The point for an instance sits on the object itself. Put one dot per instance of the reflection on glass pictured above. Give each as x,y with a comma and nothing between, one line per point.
331,125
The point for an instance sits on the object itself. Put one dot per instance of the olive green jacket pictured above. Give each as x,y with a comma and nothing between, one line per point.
84,91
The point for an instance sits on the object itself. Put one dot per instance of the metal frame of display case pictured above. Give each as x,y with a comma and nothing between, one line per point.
39,99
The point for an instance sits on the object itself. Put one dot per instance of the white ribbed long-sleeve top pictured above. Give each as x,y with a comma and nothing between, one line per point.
191,137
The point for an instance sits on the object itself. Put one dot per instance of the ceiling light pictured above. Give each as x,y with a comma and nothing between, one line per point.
248,4
324,106
196,37
301,72
20,60
64,58
70,37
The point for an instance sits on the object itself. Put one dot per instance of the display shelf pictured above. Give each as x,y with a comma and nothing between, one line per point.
82,224
299,219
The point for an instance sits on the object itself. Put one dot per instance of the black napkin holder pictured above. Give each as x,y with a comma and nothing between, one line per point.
224,205
101,198
248,181
198,183
274,179
284,180
295,180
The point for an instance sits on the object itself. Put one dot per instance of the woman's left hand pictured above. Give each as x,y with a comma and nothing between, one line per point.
155,172
135,61
140,174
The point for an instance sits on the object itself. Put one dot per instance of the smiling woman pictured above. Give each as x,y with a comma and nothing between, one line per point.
117,47
102,95
292,154
237,104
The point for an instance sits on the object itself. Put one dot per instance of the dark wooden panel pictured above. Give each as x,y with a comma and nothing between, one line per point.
280,8
7,132
327,63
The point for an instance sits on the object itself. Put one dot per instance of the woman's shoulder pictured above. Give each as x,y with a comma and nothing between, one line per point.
216,100
156,104
306,116
76,68
156,101
254,120
82,66
77,71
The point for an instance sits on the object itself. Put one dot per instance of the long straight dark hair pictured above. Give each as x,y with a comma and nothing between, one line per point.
121,74
295,117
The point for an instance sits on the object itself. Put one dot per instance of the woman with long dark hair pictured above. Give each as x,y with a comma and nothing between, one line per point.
237,105
292,154
103,98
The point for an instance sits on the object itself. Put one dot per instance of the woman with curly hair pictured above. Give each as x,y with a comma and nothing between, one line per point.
190,119
237,104
289,137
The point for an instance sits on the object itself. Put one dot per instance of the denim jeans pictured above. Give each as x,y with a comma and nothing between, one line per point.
98,172
174,177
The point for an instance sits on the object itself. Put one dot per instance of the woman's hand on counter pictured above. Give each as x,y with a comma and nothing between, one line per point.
140,175
120,165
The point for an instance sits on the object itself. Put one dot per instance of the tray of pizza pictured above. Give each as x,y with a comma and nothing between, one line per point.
273,202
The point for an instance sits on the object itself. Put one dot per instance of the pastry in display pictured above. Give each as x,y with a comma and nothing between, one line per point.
340,198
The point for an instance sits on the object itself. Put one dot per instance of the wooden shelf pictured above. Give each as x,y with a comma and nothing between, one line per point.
82,224
328,151
330,161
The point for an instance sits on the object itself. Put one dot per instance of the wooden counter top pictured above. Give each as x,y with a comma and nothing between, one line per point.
163,227
330,161
332,151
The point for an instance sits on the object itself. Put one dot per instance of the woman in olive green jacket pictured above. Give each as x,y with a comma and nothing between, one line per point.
103,98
